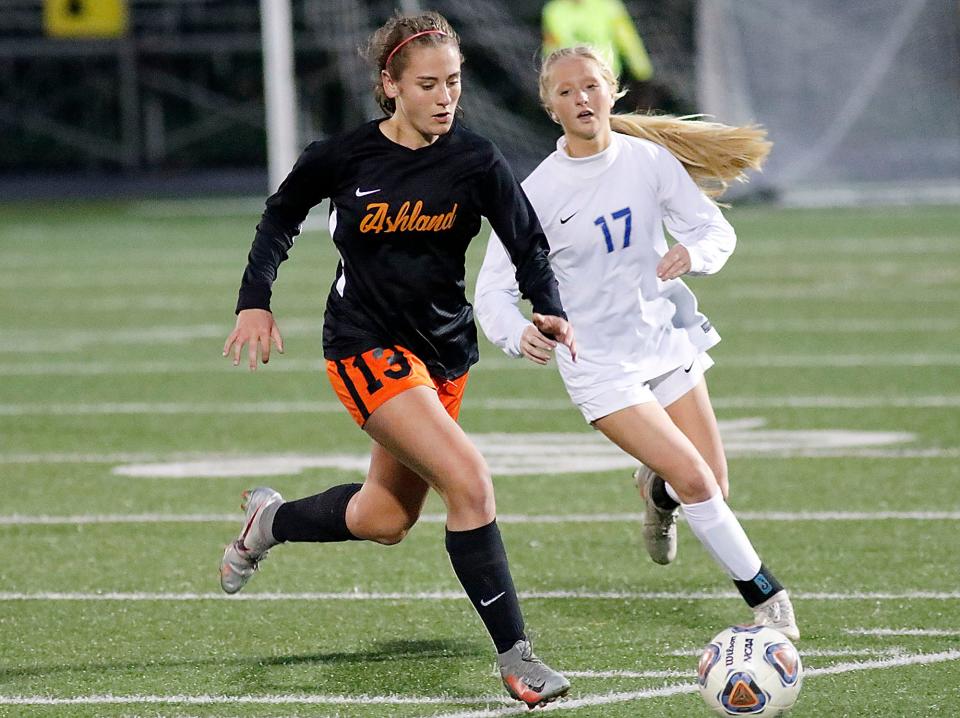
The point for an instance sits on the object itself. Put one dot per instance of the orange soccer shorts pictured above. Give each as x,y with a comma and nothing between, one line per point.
365,381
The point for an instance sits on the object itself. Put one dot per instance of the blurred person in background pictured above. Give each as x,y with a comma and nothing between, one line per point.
607,26
407,193
603,198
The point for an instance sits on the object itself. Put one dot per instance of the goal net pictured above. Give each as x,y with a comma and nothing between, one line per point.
861,99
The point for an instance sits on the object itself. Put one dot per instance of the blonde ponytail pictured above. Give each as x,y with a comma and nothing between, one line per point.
713,154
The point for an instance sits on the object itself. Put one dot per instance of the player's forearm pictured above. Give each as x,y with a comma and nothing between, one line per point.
712,249
496,297
269,249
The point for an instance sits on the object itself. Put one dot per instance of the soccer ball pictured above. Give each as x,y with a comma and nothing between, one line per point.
750,671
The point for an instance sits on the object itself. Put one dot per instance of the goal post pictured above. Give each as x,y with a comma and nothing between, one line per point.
279,89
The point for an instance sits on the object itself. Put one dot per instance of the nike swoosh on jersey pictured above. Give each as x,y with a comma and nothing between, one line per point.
487,603
366,192
564,221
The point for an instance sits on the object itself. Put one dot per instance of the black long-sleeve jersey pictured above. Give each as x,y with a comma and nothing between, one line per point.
401,221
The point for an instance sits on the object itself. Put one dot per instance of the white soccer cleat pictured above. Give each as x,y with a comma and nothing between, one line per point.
777,613
659,526
242,556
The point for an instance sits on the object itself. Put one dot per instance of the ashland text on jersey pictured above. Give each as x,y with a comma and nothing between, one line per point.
379,220
401,220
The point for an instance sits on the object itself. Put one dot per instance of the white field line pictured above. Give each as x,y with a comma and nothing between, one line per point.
125,303
948,453
67,340
327,407
838,361
799,249
598,518
192,365
120,457
450,595
145,457
849,326
815,652
901,632
631,674
289,365
169,408
934,291
837,402
512,708
672,690
59,341
291,699
900,661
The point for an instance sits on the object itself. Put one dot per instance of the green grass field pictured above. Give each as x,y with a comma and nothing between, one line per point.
125,440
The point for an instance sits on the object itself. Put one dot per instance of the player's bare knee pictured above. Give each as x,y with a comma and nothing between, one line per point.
377,522
473,492
391,529
390,536
693,481
476,496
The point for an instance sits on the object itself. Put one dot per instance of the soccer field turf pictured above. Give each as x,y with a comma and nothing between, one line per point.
126,439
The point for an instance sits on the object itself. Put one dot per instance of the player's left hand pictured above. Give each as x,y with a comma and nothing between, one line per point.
558,328
674,263
535,346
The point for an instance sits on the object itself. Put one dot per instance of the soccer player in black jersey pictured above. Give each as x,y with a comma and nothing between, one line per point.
407,195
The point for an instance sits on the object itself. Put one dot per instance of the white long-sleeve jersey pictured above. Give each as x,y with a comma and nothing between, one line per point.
604,216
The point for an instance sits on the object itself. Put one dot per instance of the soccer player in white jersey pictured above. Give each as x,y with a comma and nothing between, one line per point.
603,198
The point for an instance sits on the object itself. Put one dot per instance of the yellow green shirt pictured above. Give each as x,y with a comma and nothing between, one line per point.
604,24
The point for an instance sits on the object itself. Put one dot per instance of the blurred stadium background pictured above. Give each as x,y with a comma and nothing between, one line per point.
150,97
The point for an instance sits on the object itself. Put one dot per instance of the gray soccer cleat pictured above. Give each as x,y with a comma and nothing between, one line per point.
241,557
777,613
529,679
659,525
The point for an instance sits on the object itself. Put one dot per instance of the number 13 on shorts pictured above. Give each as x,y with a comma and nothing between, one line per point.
364,382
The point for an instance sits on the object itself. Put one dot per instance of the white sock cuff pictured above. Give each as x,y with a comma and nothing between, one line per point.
707,511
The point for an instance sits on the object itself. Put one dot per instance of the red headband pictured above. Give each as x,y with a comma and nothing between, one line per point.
412,37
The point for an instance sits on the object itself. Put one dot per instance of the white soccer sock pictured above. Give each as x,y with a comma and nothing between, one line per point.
721,534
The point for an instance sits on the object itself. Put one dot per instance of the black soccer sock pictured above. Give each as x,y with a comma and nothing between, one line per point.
759,588
320,518
661,499
480,562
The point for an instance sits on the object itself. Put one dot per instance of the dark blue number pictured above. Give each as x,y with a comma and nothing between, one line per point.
602,224
623,214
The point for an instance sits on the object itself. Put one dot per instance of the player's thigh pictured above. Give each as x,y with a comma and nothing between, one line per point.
390,501
646,432
694,416
416,429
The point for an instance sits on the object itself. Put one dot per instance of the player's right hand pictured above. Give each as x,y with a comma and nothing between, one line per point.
257,329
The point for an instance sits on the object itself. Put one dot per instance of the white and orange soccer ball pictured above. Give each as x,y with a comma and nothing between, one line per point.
750,671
